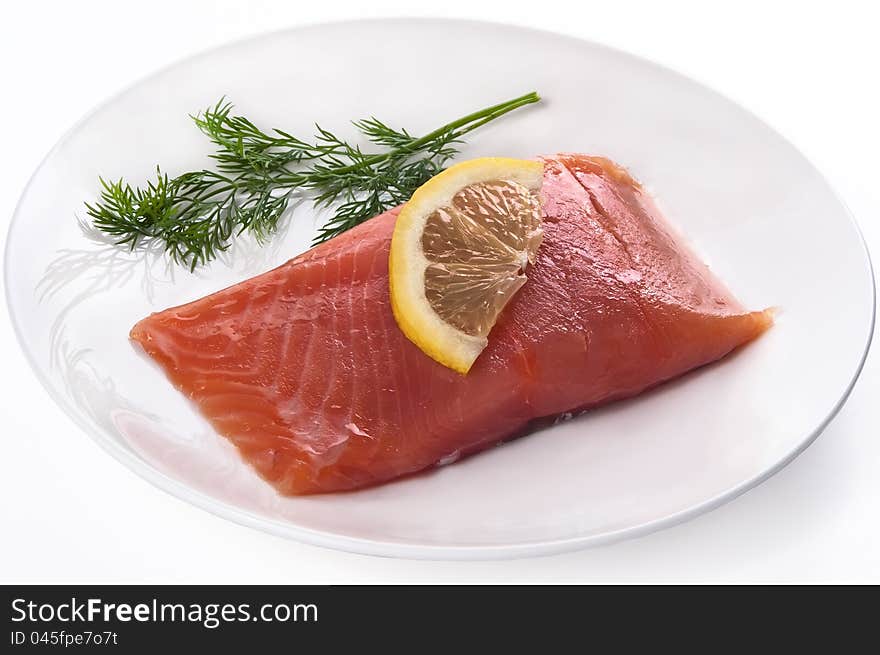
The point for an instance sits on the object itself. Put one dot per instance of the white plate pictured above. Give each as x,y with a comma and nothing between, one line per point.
761,215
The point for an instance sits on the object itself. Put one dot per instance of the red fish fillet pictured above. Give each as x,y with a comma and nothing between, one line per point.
304,369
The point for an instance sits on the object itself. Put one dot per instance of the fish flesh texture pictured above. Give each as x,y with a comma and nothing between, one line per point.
305,370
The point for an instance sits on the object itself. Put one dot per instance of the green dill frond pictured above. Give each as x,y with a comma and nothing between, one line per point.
194,216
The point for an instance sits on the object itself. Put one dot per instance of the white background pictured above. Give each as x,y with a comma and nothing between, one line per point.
70,513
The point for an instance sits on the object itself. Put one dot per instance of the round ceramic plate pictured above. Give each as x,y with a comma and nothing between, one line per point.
762,217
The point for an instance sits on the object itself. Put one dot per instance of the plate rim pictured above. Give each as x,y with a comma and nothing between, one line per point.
412,549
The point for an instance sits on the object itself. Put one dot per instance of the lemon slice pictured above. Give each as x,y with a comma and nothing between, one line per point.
459,253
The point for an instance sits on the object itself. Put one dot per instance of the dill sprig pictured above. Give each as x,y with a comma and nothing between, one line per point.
194,216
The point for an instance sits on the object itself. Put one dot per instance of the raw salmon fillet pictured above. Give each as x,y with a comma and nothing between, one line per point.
304,369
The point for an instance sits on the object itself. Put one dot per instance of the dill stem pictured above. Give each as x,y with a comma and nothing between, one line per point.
486,114
470,122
